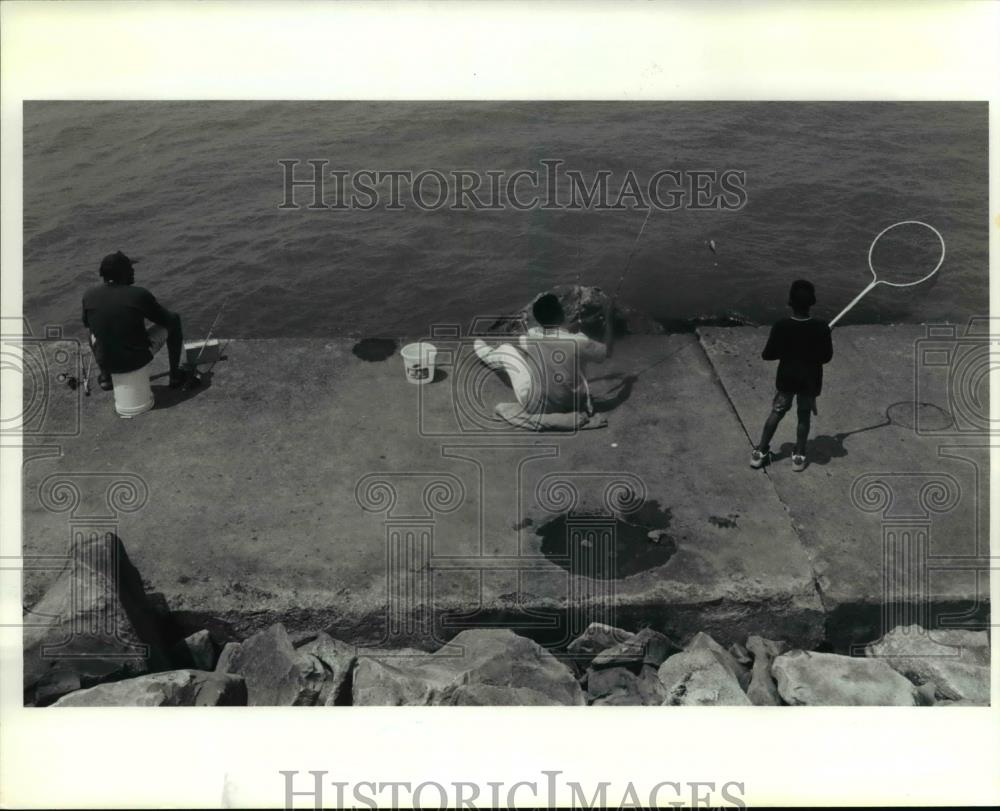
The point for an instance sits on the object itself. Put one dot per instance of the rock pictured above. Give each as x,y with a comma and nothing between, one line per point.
276,674
173,688
225,661
619,686
596,638
657,535
696,677
337,660
956,662
403,681
762,690
93,624
488,695
702,641
196,651
829,679
54,685
508,667
648,647
300,638
741,654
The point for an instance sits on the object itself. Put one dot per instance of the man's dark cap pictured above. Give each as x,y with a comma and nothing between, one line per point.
802,294
115,264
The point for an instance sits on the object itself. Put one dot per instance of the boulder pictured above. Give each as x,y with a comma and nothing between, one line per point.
596,638
397,681
829,679
93,624
337,660
276,674
619,686
224,664
762,690
648,647
173,688
702,641
54,685
195,651
489,695
492,664
957,663
696,677
741,654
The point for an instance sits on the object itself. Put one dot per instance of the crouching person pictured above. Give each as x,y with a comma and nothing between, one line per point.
116,312
546,370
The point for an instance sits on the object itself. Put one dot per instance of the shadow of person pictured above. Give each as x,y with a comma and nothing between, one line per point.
611,398
903,414
819,450
166,397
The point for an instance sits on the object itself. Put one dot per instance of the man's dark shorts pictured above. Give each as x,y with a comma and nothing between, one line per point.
783,402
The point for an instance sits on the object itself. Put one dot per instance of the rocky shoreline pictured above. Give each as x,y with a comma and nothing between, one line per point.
95,640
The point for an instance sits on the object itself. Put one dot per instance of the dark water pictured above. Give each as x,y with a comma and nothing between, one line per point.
194,188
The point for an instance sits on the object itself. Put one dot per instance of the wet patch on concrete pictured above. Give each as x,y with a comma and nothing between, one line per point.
609,547
724,522
527,522
374,349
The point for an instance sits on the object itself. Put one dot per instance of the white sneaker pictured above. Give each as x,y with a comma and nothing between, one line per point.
759,458
799,462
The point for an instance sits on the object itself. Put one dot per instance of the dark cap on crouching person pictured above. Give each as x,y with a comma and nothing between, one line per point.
117,267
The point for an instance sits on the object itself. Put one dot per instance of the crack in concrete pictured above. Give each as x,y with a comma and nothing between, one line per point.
777,494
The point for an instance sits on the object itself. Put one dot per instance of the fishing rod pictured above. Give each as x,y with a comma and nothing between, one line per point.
211,329
610,314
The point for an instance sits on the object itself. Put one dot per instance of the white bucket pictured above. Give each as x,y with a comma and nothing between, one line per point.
133,394
418,362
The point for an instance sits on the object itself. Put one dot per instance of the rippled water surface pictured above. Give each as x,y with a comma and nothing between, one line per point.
194,189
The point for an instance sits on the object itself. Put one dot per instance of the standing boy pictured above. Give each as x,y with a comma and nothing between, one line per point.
801,345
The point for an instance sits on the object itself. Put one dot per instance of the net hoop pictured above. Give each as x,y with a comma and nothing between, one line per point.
883,232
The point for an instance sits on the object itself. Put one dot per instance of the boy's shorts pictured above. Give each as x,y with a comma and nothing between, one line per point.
783,402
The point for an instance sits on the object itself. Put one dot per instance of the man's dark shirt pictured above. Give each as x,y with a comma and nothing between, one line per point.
801,348
116,314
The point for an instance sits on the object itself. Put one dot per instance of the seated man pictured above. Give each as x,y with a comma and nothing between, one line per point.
116,312
546,371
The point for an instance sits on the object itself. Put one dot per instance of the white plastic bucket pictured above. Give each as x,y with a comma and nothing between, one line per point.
133,394
418,362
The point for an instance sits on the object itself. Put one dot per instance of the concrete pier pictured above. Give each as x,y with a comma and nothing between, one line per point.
306,485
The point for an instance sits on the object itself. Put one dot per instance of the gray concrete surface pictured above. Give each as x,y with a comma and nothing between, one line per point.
886,496
306,485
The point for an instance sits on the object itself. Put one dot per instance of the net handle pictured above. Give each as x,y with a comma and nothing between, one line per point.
877,281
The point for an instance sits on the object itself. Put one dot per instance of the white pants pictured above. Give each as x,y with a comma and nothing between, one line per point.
511,361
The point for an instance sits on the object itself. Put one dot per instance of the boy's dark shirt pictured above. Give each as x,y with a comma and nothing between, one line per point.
116,314
801,348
